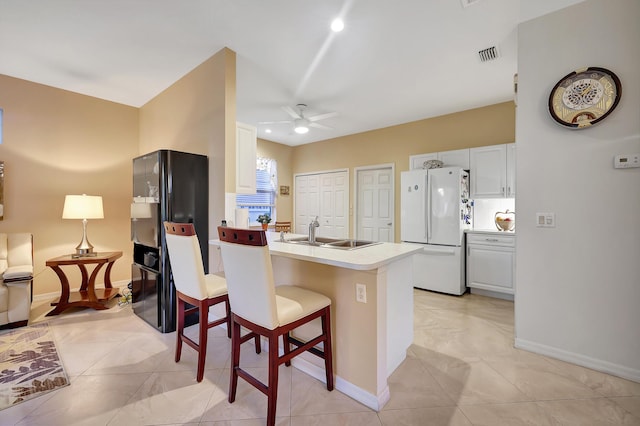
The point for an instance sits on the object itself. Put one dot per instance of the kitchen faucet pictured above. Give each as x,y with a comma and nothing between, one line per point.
312,230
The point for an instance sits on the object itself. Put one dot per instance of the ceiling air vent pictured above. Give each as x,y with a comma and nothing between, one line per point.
488,54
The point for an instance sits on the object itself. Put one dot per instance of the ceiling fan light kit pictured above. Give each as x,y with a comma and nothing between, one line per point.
302,124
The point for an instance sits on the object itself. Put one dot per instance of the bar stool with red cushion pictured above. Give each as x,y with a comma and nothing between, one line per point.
195,287
265,309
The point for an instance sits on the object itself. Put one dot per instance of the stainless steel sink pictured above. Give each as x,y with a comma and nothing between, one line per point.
351,244
335,243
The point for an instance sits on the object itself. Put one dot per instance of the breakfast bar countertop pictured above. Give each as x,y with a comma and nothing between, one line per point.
362,259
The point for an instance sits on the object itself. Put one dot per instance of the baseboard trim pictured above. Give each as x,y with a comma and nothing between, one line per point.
578,359
366,398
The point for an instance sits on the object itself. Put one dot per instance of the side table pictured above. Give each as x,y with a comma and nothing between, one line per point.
88,296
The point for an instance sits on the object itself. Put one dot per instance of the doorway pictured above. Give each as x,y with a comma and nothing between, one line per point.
374,204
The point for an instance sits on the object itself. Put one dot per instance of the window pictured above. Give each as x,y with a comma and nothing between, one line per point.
264,200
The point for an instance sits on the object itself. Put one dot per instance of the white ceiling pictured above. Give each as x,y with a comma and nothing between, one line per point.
396,60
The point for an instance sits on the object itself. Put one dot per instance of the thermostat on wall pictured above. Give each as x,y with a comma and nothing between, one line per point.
626,161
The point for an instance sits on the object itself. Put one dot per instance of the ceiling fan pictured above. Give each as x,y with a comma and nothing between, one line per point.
301,124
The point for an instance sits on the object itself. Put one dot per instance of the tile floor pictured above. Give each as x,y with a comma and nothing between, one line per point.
461,370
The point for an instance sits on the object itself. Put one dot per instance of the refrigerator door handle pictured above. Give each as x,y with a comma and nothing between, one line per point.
427,208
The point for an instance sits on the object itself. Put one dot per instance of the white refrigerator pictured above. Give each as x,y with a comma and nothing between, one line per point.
435,211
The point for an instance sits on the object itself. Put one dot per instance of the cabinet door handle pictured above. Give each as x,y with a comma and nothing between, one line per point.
468,251
495,240
503,191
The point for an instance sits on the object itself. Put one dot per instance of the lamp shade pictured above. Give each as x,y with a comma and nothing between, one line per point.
82,207
140,210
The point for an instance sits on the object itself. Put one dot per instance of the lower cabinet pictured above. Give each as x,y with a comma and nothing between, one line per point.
491,264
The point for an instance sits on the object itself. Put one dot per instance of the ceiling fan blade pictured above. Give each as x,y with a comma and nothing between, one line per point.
320,126
322,116
275,122
293,113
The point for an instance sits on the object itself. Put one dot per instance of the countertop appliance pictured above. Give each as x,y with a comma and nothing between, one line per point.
435,211
171,186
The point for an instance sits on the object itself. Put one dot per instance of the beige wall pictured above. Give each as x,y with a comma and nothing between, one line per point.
283,155
57,143
197,114
494,124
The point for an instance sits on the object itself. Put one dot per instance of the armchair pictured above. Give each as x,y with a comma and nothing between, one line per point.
16,277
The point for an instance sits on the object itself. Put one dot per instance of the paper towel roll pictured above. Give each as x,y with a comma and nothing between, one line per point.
242,218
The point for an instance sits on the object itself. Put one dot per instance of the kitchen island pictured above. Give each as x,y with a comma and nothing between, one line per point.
370,337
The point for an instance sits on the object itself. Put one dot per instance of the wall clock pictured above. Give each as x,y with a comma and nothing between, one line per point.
584,97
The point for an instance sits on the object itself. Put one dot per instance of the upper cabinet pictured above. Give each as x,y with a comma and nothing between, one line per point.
246,145
511,170
417,161
455,158
493,171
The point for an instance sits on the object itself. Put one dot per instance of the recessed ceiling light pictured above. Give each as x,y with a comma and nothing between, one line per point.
267,130
337,25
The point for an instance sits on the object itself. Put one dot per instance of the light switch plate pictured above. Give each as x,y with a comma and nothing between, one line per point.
545,220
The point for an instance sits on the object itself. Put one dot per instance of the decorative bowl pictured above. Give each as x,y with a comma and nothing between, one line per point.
432,164
505,221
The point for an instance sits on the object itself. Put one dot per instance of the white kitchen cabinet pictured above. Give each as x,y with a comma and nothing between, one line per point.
417,161
511,170
491,264
455,158
492,171
246,146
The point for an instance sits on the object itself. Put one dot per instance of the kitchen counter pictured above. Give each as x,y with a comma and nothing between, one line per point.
371,336
489,232
366,258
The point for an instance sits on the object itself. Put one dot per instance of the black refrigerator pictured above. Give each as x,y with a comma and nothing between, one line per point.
167,186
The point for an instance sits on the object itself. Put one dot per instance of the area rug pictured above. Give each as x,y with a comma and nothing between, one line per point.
29,365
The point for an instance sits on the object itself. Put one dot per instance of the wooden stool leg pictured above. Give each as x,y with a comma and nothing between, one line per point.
203,314
180,331
272,391
286,346
228,310
328,353
235,360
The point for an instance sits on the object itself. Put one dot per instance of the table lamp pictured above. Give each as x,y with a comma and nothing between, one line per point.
83,207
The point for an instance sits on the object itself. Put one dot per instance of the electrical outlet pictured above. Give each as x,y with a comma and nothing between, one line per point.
361,293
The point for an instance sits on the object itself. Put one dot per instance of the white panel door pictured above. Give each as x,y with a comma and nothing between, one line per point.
325,195
307,201
334,201
375,215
